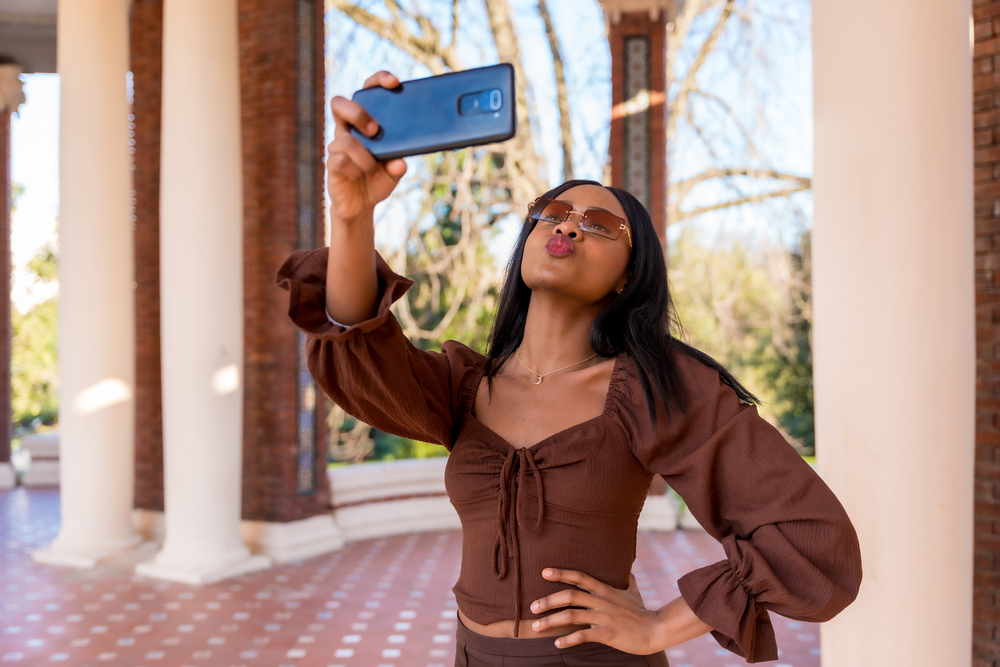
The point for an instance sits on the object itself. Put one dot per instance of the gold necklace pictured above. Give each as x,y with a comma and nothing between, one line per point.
541,376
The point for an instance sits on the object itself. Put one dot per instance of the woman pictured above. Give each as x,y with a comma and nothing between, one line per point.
556,434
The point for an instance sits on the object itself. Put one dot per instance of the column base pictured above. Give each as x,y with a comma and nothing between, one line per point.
205,574
8,478
295,540
84,556
149,524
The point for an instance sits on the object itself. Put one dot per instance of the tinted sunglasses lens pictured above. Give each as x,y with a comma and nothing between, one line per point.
602,223
552,210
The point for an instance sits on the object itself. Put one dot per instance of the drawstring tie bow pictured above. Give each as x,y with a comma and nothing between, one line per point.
510,508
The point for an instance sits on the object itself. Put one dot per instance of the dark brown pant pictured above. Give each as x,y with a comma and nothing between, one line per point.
475,650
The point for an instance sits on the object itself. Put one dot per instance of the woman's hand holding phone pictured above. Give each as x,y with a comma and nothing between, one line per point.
356,182
355,179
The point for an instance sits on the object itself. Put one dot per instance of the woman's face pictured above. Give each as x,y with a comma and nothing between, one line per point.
562,258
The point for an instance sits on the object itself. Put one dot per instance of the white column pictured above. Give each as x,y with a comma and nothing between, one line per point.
96,301
201,255
894,319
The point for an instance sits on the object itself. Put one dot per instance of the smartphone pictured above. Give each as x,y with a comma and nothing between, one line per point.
445,112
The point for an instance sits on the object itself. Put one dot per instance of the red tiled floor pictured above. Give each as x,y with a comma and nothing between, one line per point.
378,602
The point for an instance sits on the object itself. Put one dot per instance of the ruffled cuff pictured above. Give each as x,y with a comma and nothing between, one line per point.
720,598
304,276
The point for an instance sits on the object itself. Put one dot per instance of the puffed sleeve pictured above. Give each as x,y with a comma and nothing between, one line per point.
790,547
371,369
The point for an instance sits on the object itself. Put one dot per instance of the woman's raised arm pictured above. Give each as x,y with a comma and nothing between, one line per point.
356,182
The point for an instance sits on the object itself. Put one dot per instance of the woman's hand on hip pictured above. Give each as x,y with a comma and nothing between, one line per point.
616,617
355,179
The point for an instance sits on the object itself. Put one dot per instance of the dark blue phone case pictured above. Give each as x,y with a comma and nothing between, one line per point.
440,113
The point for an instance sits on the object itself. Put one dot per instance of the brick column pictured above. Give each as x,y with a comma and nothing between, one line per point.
11,97
986,125
285,490
637,146
146,55
638,143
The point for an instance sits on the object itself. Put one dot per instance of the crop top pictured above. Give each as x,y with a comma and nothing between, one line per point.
573,499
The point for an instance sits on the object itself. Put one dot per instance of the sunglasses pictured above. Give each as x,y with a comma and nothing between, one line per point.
595,221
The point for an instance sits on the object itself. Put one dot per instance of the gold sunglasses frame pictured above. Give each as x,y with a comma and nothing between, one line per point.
622,226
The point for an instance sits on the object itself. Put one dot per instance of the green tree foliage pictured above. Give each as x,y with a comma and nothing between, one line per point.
749,308
787,379
34,344
390,447
786,368
43,264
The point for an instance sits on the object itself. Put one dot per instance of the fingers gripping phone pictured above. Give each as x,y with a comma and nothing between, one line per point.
455,110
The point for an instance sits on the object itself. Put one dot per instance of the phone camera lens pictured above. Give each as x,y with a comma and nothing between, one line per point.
484,102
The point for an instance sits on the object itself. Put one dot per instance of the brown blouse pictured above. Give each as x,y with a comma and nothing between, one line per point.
573,499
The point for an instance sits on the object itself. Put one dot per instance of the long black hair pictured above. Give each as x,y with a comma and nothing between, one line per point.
639,322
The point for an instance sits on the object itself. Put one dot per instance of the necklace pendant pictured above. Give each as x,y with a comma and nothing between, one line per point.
539,378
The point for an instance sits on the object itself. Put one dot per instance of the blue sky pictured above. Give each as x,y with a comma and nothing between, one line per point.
35,166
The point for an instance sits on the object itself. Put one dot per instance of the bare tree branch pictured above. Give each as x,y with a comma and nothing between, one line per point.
731,115
689,83
562,96
683,215
425,49
352,445
525,159
683,187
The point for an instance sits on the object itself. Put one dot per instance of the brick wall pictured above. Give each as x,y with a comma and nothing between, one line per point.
268,64
146,43
986,107
635,24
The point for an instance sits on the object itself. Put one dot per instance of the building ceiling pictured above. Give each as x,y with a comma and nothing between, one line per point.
29,7
28,34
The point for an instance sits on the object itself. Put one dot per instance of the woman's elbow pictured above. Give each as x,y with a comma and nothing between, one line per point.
843,574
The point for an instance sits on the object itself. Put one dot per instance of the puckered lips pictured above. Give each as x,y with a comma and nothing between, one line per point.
560,245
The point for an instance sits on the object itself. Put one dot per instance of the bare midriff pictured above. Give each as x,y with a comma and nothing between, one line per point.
505,629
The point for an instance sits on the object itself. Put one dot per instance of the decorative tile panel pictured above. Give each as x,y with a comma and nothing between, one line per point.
306,137
637,138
